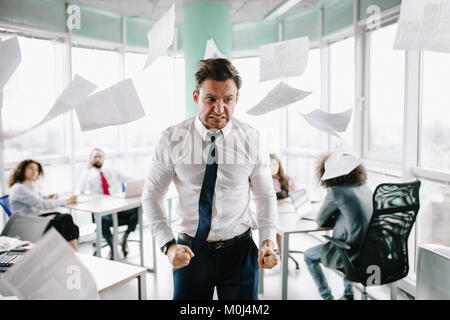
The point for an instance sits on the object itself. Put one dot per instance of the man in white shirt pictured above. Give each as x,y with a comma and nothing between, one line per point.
98,180
214,161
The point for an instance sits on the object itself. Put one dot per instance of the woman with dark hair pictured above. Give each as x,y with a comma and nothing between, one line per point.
26,198
347,209
282,183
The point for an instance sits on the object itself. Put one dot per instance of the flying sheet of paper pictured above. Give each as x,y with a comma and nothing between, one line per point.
115,105
160,37
329,122
424,25
339,164
51,271
211,50
10,59
73,96
283,59
280,96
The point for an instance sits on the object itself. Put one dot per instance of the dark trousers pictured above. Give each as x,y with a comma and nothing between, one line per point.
233,270
125,218
63,223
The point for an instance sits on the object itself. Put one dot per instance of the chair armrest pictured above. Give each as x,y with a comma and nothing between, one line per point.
338,243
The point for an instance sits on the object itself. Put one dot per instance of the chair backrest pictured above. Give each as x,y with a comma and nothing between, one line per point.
383,255
26,227
4,203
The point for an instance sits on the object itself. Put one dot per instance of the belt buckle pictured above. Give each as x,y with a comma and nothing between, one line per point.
219,245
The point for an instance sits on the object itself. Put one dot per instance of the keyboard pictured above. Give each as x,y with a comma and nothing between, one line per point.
10,258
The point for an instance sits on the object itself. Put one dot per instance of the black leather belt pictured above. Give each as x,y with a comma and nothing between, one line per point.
217,245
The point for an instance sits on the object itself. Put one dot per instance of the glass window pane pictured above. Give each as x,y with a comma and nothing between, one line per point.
435,130
251,93
387,74
157,90
301,134
27,97
342,84
102,68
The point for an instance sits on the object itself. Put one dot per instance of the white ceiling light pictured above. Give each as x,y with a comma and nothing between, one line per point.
281,9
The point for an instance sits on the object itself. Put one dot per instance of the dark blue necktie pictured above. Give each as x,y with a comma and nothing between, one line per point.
207,193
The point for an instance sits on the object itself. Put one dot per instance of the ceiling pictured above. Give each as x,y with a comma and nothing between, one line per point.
241,10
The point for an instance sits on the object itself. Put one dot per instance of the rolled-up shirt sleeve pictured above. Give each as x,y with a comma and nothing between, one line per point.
156,186
261,185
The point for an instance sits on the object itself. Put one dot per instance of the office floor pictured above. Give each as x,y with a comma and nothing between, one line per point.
300,283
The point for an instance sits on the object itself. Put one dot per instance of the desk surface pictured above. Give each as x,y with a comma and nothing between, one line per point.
102,204
109,274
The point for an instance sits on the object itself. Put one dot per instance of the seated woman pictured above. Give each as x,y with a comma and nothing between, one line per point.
26,198
347,209
282,184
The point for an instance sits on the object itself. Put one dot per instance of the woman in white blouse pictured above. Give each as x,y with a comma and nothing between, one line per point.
26,198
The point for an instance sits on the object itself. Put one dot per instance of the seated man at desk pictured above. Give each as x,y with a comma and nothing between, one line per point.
347,208
98,180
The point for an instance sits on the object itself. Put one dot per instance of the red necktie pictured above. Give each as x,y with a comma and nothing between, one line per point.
104,184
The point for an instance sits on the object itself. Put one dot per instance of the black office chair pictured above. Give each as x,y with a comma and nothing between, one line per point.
383,255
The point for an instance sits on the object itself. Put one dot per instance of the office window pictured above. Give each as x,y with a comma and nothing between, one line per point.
157,87
102,68
435,126
27,98
300,133
342,85
251,93
386,97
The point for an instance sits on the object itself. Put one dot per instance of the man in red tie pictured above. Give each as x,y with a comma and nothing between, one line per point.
99,180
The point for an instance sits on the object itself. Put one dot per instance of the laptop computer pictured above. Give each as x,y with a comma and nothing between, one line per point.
133,188
303,205
8,259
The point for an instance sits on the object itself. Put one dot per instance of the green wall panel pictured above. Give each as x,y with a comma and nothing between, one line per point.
337,15
137,30
99,24
306,24
248,36
47,14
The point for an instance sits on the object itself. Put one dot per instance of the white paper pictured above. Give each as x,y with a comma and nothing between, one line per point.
115,105
424,25
51,270
329,122
8,243
10,59
77,91
283,59
339,164
160,37
280,96
211,51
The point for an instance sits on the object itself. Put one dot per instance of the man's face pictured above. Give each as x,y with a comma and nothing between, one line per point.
97,158
216,101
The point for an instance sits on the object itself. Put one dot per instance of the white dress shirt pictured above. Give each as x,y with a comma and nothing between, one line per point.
28,199
91,181
243,166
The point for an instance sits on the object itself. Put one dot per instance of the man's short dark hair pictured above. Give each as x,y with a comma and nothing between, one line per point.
216,69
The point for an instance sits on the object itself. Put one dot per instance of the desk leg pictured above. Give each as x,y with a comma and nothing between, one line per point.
141,236
115,236
98,221
154,253
261,281
142,287
284,267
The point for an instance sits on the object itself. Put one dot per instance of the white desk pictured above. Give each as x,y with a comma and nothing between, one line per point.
288,223
109,274
101,205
